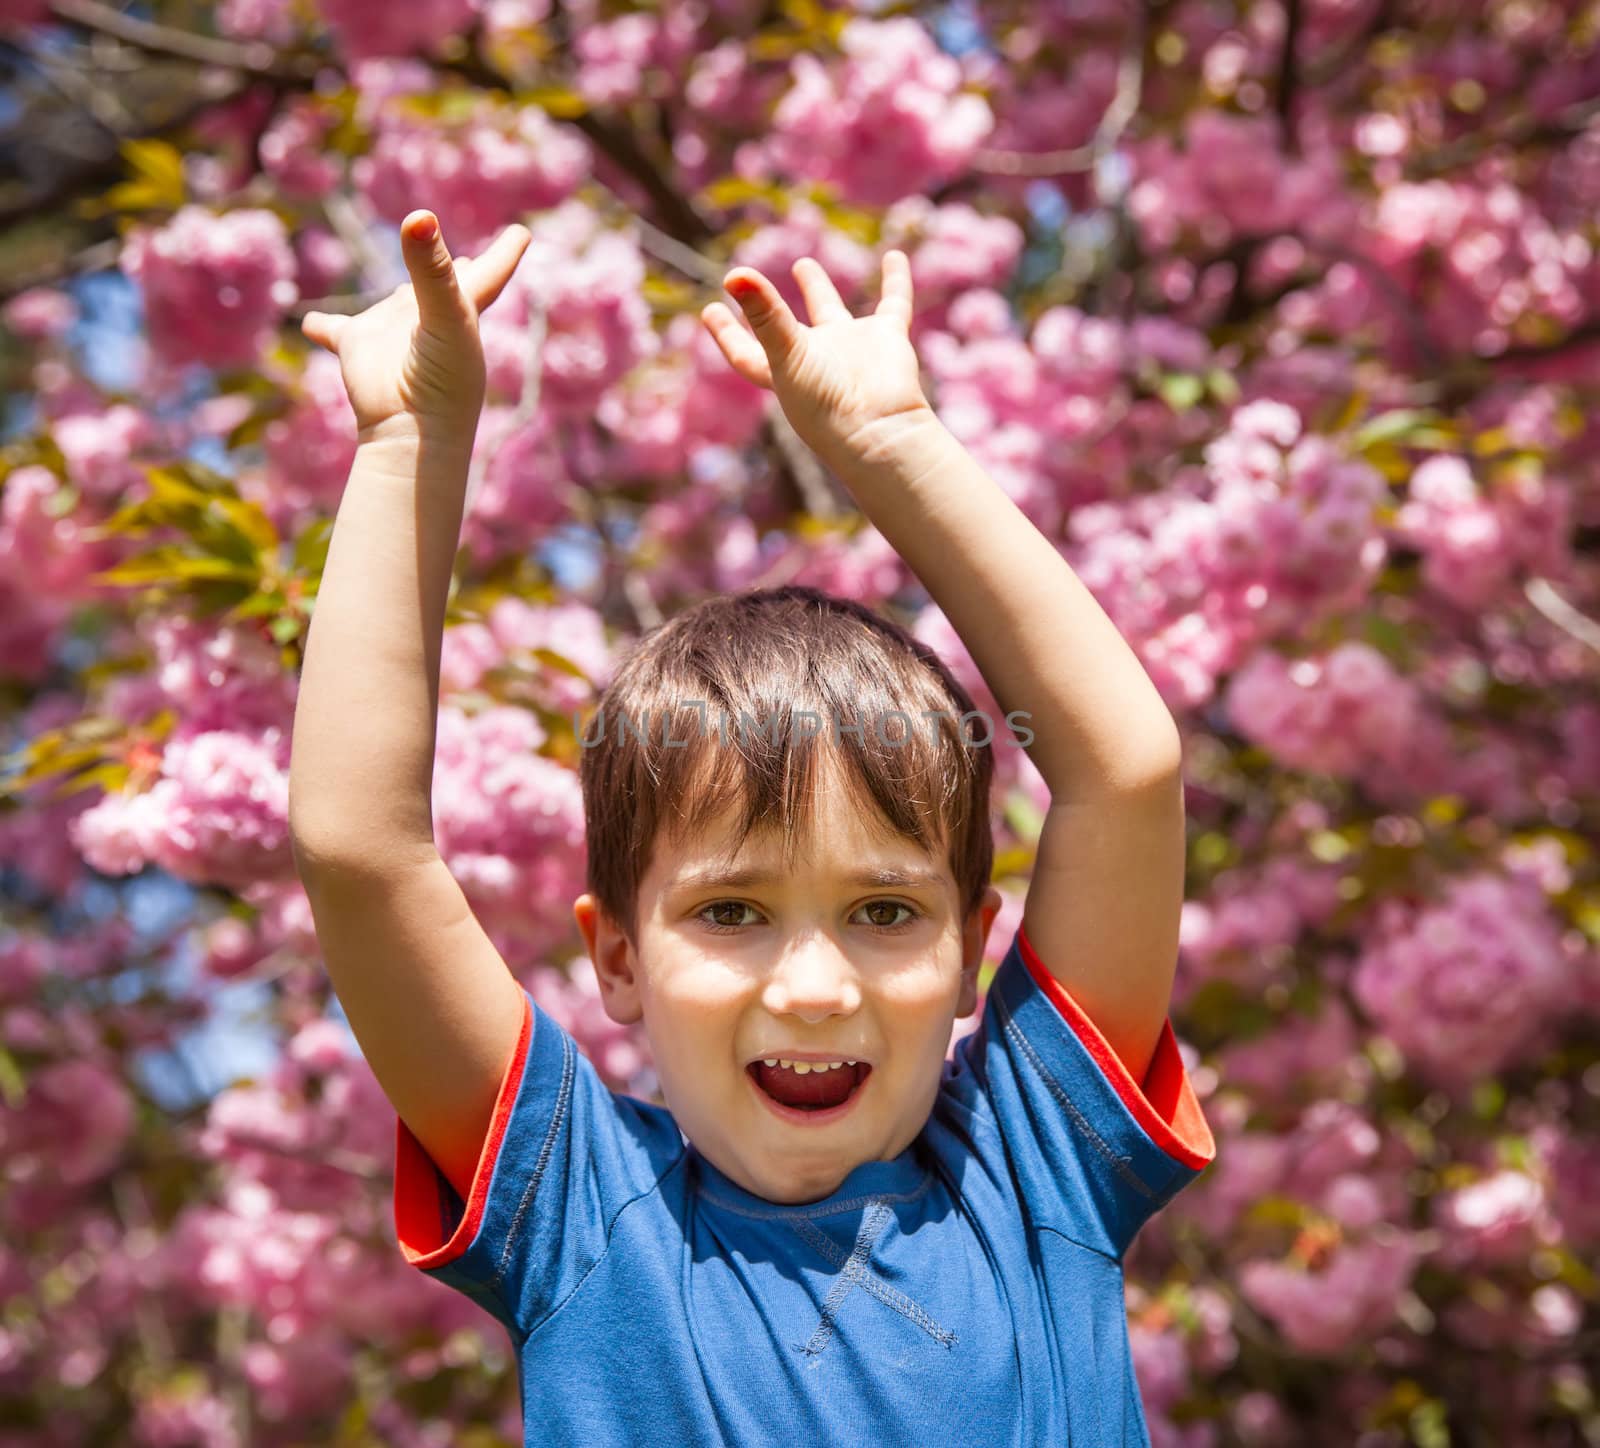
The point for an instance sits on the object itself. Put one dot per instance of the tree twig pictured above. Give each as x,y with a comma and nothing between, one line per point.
1124,106
1542,595
254,56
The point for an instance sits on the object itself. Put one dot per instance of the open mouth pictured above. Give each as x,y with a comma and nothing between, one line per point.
814,1097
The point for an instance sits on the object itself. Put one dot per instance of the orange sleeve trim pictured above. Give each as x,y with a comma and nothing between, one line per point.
419,1201
1165,1105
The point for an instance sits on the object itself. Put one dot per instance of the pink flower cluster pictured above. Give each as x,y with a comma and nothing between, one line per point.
489,167
219,813
365,29
509,823
215,287
1332,713
1465,985
1473,543
622,58
890,121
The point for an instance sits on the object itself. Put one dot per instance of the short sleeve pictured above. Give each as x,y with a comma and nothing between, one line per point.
563,1156
1095,1153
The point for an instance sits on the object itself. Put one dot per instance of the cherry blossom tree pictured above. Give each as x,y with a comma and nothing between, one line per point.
1282,319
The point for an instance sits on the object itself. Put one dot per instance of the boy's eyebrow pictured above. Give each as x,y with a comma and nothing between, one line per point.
882,877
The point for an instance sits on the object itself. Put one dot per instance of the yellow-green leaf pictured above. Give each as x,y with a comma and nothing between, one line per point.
736,191
1390,426
169,486
1181,390
168,564
311,547
1024,816
12,1084
560,662
258,604
1008,864
112,777
156,184
562,102
250,520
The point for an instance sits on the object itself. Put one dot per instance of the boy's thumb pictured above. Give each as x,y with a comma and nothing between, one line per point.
433,273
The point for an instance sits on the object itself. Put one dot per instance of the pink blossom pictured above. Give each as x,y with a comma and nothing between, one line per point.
215,286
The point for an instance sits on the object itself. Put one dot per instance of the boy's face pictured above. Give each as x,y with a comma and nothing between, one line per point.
805,959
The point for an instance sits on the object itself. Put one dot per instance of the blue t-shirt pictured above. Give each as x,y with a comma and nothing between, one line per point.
968,1291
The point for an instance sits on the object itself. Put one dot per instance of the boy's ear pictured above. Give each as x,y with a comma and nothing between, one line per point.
616,963
974,935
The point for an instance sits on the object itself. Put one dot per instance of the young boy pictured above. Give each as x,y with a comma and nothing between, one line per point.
830,1235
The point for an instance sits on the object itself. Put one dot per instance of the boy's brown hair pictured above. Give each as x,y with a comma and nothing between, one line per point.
758,661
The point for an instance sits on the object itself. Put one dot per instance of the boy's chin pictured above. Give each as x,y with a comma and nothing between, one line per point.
793,1190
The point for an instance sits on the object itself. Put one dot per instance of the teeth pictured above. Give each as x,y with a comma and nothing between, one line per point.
805,1068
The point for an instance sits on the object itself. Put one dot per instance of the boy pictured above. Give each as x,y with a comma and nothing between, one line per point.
830,1236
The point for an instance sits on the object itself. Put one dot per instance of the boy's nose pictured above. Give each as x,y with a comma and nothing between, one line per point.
813,979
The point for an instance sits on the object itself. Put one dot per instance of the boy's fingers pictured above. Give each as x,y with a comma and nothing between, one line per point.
324,328
486,276
775,325
896,299
743,354
823,302
433,273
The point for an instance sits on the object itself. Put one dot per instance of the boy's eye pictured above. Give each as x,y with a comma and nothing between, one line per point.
724,915
890,906
731,907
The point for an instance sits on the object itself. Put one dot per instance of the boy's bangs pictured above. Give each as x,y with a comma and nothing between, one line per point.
907,782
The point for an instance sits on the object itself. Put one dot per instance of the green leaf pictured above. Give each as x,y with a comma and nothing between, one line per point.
1180,390
169,564
285,628
1024,816
13,1086
559,662
1009,864
734,191
158,162
311,547
1488,1098
259,605
251,522
1391,426
561,102
62,501
156,184
111,776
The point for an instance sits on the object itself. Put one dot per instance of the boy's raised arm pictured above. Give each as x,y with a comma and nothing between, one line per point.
1103,909
430,1000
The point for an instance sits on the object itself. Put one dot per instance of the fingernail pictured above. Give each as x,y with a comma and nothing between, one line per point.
425,229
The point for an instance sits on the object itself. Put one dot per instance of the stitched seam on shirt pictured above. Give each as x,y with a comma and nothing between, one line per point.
877,1218
563,1099
786,1213
605,1250
1068,1237
889,1296
1119,1163
893,1297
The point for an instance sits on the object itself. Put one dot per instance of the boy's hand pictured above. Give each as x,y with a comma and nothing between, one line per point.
414,361
838,378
